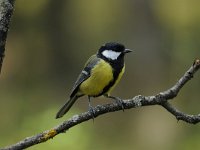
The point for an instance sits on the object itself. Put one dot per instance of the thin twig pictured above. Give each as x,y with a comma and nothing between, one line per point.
138,101
180,115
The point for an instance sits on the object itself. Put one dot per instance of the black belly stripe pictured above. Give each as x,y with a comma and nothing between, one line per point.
117,68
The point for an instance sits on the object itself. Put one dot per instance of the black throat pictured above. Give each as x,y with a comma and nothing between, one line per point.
116,64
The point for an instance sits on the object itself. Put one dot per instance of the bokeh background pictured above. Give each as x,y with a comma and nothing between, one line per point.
48,43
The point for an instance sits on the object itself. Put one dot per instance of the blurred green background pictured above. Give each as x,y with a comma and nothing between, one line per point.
48,43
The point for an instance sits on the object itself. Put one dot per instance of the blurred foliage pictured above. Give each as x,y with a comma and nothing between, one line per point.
48,43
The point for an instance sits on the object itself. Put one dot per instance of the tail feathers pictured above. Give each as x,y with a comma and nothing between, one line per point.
65,108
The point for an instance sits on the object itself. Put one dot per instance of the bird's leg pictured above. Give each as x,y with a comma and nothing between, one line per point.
118,100
91,110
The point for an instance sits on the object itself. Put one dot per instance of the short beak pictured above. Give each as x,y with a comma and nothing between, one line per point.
127,51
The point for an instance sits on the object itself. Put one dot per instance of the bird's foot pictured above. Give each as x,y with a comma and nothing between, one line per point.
91,111
118,100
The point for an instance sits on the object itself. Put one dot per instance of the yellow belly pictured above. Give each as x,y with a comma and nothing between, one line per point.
100,77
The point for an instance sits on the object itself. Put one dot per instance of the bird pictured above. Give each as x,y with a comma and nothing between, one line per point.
99,76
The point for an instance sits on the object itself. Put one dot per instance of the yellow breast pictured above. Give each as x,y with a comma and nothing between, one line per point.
100,77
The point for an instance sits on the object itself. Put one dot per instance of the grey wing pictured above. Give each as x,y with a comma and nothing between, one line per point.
85,74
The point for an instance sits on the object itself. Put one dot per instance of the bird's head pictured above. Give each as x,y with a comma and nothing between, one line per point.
112,51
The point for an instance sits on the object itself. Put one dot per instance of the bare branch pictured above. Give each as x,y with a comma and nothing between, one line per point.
6,10
138,101
180,115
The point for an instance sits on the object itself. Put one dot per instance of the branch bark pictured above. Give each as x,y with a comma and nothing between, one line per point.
161,99
6,11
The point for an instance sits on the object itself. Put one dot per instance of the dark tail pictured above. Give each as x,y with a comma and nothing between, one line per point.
65,108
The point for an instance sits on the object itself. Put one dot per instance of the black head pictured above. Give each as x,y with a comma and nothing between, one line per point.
112,51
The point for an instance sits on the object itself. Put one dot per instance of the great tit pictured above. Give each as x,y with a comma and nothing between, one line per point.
99,76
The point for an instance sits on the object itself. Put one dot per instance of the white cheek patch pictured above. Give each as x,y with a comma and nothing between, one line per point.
111,54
